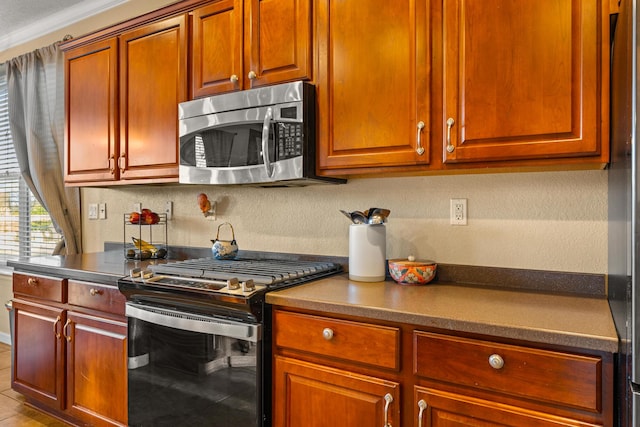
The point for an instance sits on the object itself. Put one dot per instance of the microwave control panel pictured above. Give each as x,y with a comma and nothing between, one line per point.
289,140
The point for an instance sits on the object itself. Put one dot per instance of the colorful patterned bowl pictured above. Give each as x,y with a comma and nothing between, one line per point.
412,272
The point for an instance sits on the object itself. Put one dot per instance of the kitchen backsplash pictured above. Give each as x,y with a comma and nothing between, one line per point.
544,220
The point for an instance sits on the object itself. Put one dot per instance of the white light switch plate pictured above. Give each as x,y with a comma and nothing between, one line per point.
93,211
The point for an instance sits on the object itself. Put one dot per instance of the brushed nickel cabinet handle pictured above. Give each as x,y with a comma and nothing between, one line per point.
112,167
422,405
233,78
252,75
93,292
387,402
32,281
496,361
327,334
55,327
64,330
122,160
419,147
450,146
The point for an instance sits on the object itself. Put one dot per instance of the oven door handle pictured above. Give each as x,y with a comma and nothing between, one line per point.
195,323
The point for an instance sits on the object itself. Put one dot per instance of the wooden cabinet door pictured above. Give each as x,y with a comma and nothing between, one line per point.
373,84
267,42
96,369
522,79
435,408
153,63
91,138
217,48
310,395
38,351
278,41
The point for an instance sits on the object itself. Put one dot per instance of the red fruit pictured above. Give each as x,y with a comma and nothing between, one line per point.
134,218
144,213
152,218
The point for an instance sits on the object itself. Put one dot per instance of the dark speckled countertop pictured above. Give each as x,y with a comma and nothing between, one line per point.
542,307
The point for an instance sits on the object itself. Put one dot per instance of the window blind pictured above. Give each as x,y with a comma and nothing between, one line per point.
25,226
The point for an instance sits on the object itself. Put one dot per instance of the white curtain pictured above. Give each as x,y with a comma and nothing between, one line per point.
35,85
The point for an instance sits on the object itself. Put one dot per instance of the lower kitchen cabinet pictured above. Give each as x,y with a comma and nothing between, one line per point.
96,369
38,351
335,370
313,395
437,408
70,349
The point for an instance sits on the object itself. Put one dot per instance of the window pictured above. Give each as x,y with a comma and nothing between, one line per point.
25,226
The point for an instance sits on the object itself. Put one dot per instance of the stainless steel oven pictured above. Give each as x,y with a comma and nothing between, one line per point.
188,369
199,339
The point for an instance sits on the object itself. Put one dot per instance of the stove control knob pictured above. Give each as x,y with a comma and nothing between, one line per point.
233,284
135,272
248,286
147,274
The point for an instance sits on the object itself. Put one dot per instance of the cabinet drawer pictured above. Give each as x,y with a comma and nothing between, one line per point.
353,341
97,297
548,376
49,288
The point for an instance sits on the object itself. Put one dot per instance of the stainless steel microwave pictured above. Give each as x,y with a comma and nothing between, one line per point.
263,136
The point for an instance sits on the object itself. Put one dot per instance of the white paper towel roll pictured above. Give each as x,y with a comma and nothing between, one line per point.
367,252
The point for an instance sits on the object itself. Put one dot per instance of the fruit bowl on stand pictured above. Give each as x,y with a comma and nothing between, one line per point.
145,235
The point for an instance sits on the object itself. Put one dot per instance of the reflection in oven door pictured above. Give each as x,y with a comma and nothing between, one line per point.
180,377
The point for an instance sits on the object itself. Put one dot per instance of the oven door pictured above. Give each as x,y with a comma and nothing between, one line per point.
192,370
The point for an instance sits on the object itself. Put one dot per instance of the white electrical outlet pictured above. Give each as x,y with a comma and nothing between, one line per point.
458,211
168,209
102,211
137,207
93,211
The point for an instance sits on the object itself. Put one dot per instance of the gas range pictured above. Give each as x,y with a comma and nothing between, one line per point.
230,288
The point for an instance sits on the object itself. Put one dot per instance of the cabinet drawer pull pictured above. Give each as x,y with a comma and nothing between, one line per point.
450,146
387,402
32,281
327,334
422,405
419,147
496,361
95,292
55,327
252,75
233,78
64,330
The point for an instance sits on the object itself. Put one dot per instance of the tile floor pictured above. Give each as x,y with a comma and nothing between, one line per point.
13,412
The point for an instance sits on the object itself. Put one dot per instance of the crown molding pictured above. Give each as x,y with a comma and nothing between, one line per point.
56,21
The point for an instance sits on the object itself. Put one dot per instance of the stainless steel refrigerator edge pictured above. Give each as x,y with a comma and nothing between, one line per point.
624,266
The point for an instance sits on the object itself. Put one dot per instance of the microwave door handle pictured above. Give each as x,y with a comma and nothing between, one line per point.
265,142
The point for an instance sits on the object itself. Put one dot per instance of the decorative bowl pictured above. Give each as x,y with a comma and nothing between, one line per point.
412,272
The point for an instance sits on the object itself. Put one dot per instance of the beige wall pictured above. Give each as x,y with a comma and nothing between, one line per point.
545,220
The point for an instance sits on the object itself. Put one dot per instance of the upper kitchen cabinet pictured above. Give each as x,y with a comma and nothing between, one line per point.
153,80
373,75
91,82
524,80
240,45
122,93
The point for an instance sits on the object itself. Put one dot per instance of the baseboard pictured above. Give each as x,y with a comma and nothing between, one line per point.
5,338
